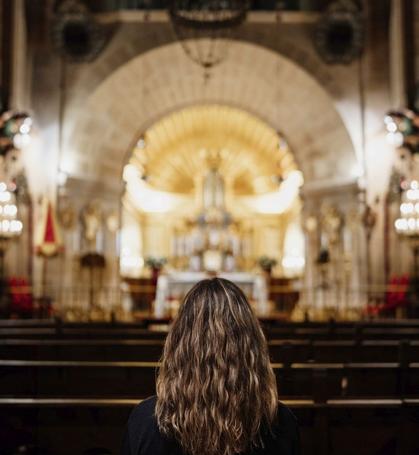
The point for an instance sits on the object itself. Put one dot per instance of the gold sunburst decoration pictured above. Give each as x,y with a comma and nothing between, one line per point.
252,156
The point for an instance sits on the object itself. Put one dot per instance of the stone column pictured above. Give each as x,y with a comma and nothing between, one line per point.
397,55
80,194
335,251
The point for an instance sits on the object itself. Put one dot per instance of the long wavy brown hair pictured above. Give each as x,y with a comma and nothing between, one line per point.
216,391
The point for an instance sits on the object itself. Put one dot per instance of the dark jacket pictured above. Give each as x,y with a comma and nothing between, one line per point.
143,437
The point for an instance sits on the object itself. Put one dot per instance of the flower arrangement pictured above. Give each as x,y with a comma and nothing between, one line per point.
154,262
266,263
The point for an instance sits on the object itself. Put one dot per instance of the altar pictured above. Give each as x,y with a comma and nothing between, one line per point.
214,239
175,286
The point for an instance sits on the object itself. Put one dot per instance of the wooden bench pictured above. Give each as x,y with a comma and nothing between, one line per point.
141,333
84,333
20,378
344,427
287,352
270,322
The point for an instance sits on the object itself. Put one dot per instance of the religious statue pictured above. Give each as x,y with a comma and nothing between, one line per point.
92,220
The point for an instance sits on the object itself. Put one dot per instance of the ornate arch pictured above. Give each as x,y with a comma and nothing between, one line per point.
253,78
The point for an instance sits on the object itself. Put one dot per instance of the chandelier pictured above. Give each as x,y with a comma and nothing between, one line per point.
403,129
407,225
10,225
15,128
403,132
204,26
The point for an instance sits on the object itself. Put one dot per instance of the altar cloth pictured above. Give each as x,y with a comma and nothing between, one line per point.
176,285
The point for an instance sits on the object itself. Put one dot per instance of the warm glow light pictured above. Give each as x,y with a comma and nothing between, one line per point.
16,226
9,225
131,254
293,261
391,127
401,224
5,196
10,210
26,126
132,262
130,173
408,225
395,139
388,119
5,225
150,200
357,171
279,201
213,260
290,262
141,143
406,208
21,141
412,194
174,159
295,178
62,178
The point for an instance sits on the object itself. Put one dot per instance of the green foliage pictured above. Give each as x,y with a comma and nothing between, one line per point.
154,262
266,262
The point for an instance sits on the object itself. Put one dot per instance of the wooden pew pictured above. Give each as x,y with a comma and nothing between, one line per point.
81,349
293,351
305,331
343,333
326,381
88,378
268,322
84,333
121,379
139,333
344,427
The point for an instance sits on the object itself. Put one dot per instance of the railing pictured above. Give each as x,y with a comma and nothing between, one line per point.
83,303
257,5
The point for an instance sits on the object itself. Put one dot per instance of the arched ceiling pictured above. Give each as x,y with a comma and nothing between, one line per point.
161,81
176,149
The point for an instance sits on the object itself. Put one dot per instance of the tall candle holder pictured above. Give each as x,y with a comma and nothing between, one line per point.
407,225
10,228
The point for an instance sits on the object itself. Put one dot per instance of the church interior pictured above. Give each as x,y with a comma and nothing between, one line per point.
146,145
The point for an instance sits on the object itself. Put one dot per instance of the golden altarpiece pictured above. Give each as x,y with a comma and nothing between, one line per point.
212,190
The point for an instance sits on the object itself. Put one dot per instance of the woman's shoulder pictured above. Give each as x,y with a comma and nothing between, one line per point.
144,410
285,416
141,427
283,435
143,436
286,422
